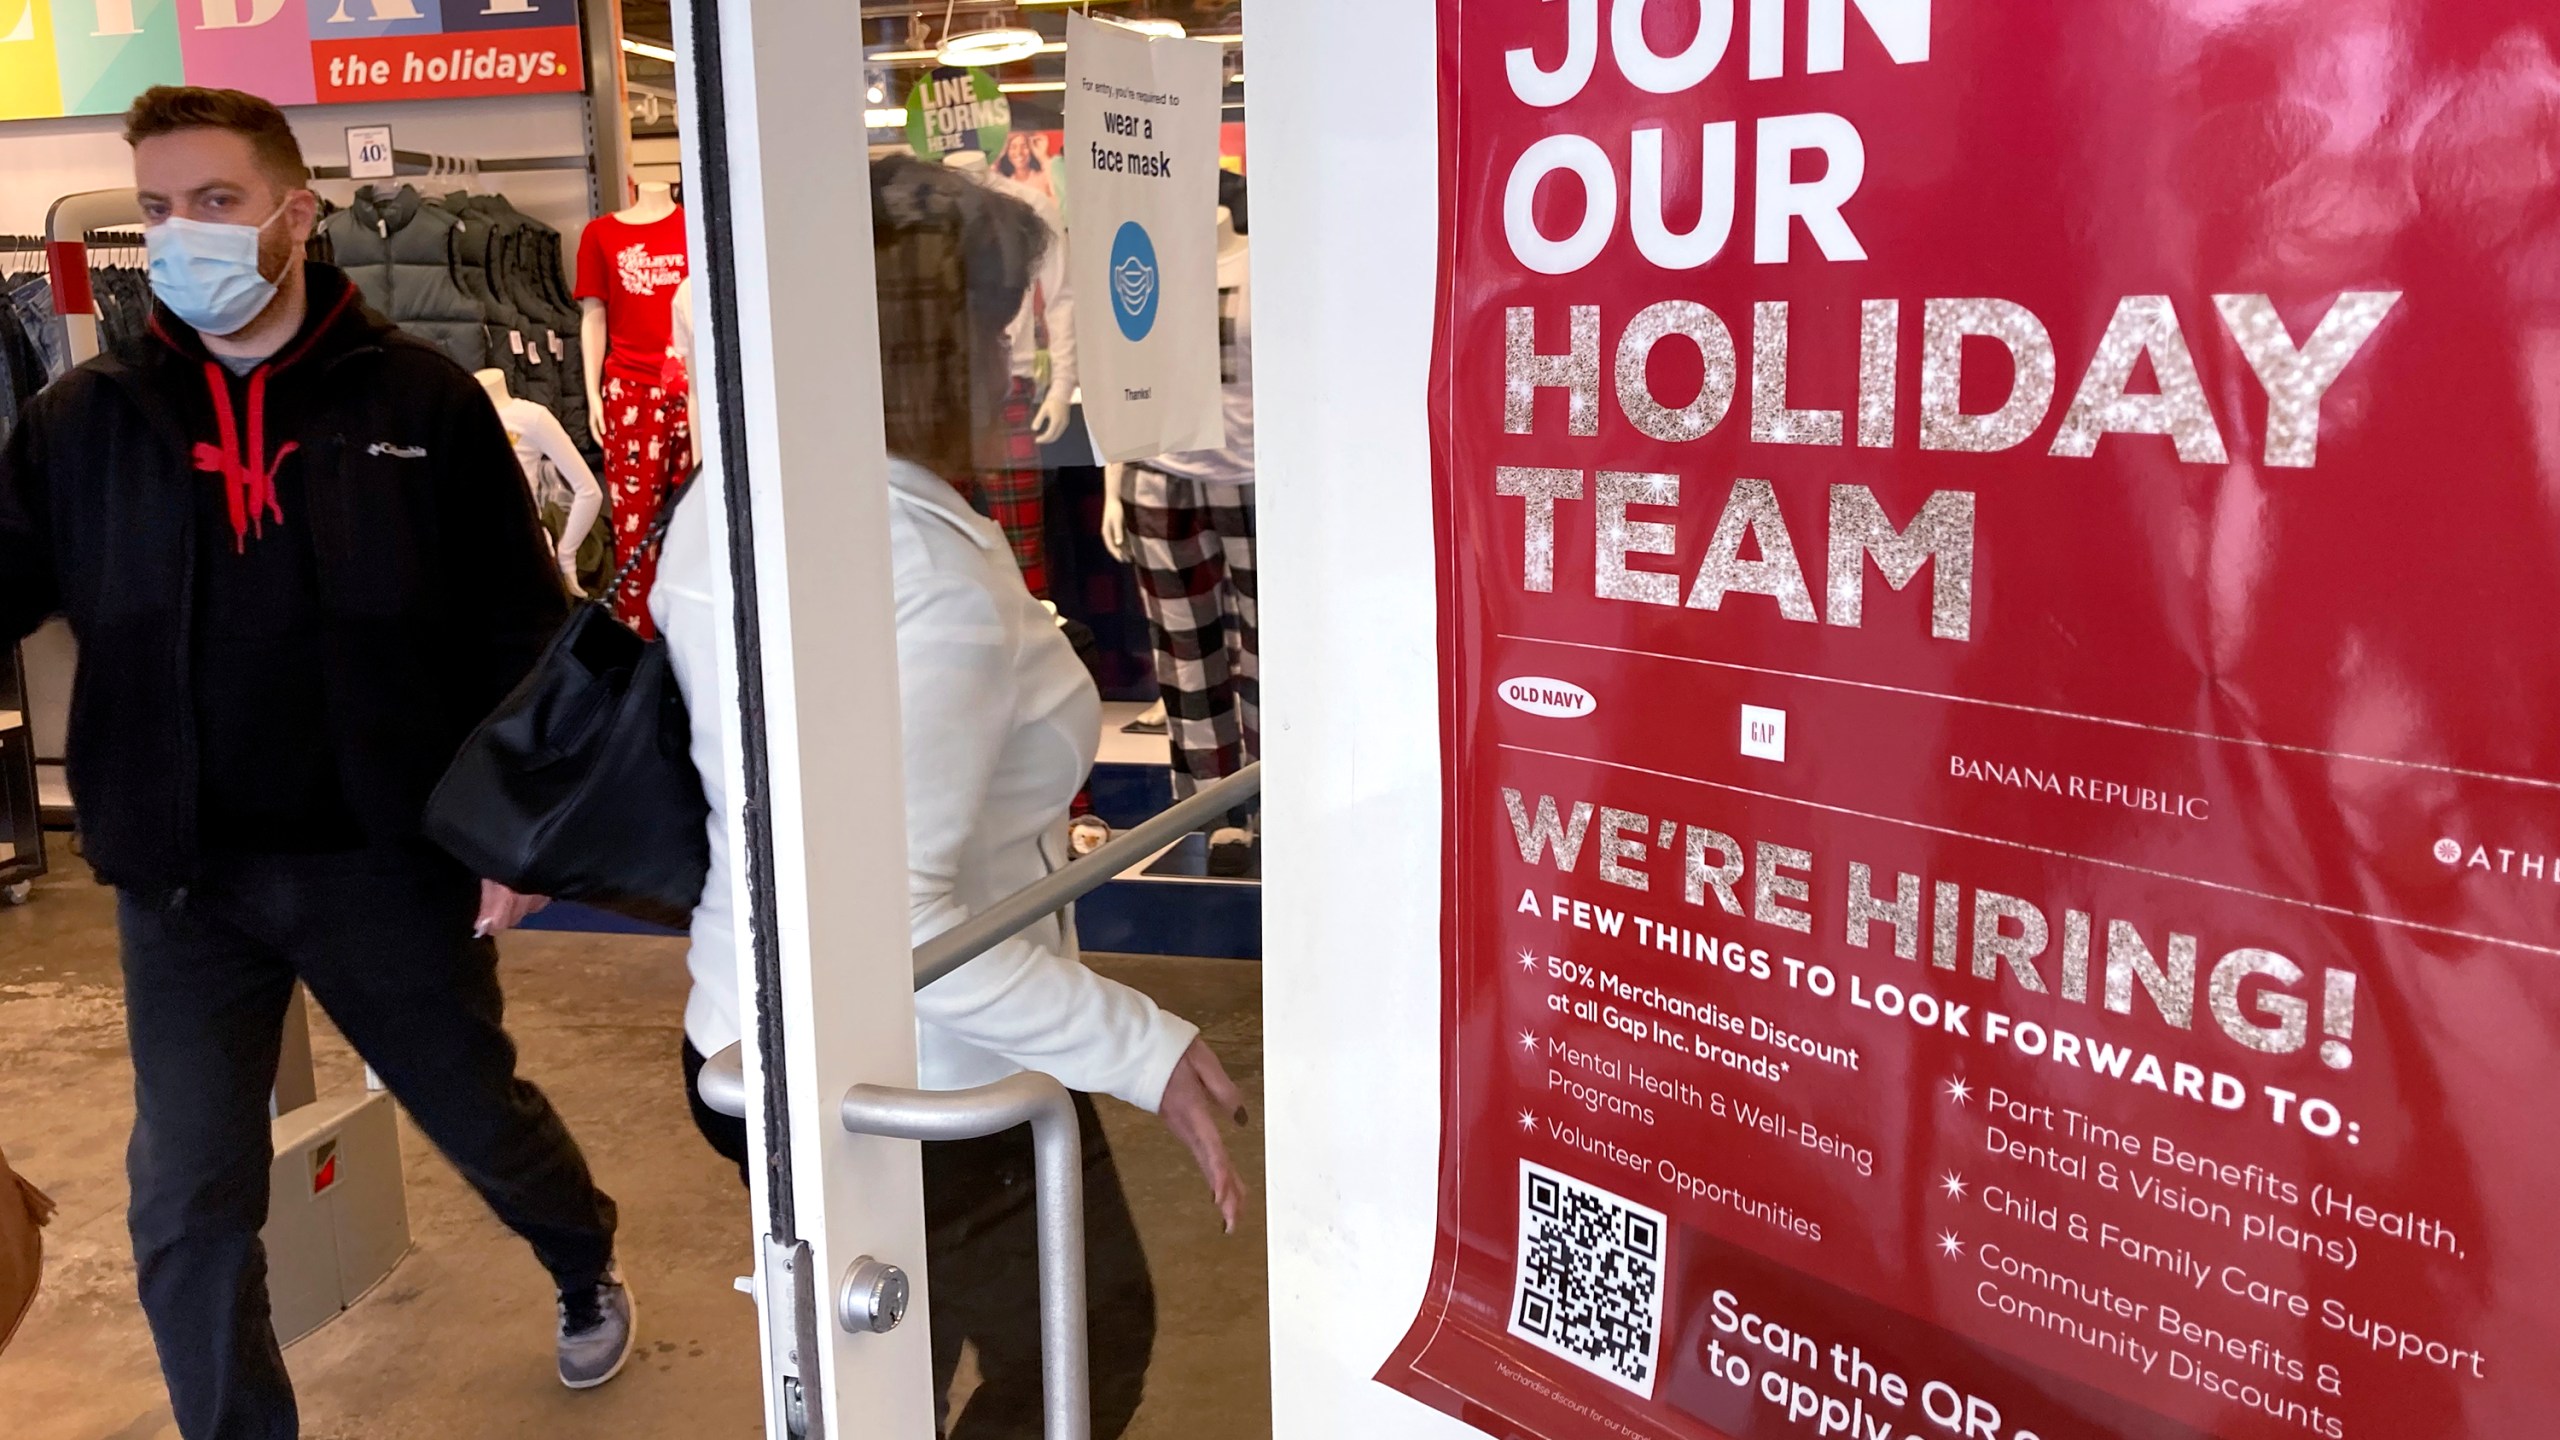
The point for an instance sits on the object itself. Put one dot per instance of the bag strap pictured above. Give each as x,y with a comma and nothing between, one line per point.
40,1206
668,495
17,1188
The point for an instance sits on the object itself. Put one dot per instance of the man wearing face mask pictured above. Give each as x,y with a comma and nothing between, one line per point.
301,564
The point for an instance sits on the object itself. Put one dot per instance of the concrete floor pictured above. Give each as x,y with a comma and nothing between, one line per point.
458,1340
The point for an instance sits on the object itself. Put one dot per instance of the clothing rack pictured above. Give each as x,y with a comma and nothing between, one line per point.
22,856
113,218
21,829
420,163
22,847
73,219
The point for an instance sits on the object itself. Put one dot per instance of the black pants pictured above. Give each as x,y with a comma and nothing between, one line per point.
982,1256
383,940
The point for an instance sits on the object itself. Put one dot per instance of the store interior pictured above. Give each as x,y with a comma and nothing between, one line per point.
500,193
504,186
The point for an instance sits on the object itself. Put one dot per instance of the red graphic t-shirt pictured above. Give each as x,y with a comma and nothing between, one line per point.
634,270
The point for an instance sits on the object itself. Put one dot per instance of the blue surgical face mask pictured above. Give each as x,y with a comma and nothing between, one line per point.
207,274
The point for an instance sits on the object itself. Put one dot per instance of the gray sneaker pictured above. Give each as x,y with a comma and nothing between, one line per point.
598,1327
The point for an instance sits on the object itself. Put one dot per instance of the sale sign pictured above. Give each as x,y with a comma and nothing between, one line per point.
91,57
2003,806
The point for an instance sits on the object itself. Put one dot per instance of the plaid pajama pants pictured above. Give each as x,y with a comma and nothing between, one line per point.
648,446
1010,495
1195,575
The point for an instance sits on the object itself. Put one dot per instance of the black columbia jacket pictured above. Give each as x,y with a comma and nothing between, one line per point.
436,587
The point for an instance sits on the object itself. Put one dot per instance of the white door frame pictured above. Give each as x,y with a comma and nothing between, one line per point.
787,389
1346,185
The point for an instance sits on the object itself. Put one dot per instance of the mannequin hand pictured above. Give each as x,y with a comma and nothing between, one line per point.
502,909
595,418
1197,1095
1051,422
569,578
1115,520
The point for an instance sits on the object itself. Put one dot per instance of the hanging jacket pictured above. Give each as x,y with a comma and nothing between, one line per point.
520,343
524,269
22,372
400,253
435,586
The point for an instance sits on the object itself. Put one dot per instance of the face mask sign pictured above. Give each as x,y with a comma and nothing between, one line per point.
207,274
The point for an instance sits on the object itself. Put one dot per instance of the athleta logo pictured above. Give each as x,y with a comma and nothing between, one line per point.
2497,860
396,452
1557,699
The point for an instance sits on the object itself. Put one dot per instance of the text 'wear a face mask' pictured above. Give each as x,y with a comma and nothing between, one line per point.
207,273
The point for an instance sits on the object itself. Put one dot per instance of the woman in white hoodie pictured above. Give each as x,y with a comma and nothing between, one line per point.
1000,725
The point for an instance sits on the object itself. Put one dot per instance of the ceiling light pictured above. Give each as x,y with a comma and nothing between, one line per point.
1002,45
1221,39
905,59
643,47
1166,29
885,119
1031,87
876,94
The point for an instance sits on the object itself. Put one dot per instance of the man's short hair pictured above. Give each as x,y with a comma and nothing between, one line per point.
167,109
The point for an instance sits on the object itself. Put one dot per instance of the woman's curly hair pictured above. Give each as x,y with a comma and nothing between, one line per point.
954,257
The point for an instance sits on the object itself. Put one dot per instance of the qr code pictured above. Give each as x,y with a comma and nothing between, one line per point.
1590,1281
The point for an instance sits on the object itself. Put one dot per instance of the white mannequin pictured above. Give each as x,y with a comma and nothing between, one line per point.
655,202
1115,524
538,436
1051,420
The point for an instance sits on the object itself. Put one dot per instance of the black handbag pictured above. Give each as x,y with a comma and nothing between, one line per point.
581,785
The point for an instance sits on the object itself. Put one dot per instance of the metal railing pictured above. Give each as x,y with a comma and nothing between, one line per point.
1062,887
1028,1098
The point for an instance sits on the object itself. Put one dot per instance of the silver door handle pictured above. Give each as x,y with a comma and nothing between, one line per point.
1058,1147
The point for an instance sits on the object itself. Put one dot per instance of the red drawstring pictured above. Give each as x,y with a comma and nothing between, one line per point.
250,480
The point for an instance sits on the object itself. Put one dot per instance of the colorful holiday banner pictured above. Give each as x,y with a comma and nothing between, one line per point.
2003,811
91,57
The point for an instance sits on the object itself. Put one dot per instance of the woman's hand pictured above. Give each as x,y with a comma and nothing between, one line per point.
1194,1099
502,909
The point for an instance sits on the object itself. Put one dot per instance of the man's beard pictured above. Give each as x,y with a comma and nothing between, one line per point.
280,263
277,255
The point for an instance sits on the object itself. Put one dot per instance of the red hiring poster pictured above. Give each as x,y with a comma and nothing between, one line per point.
2003,741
